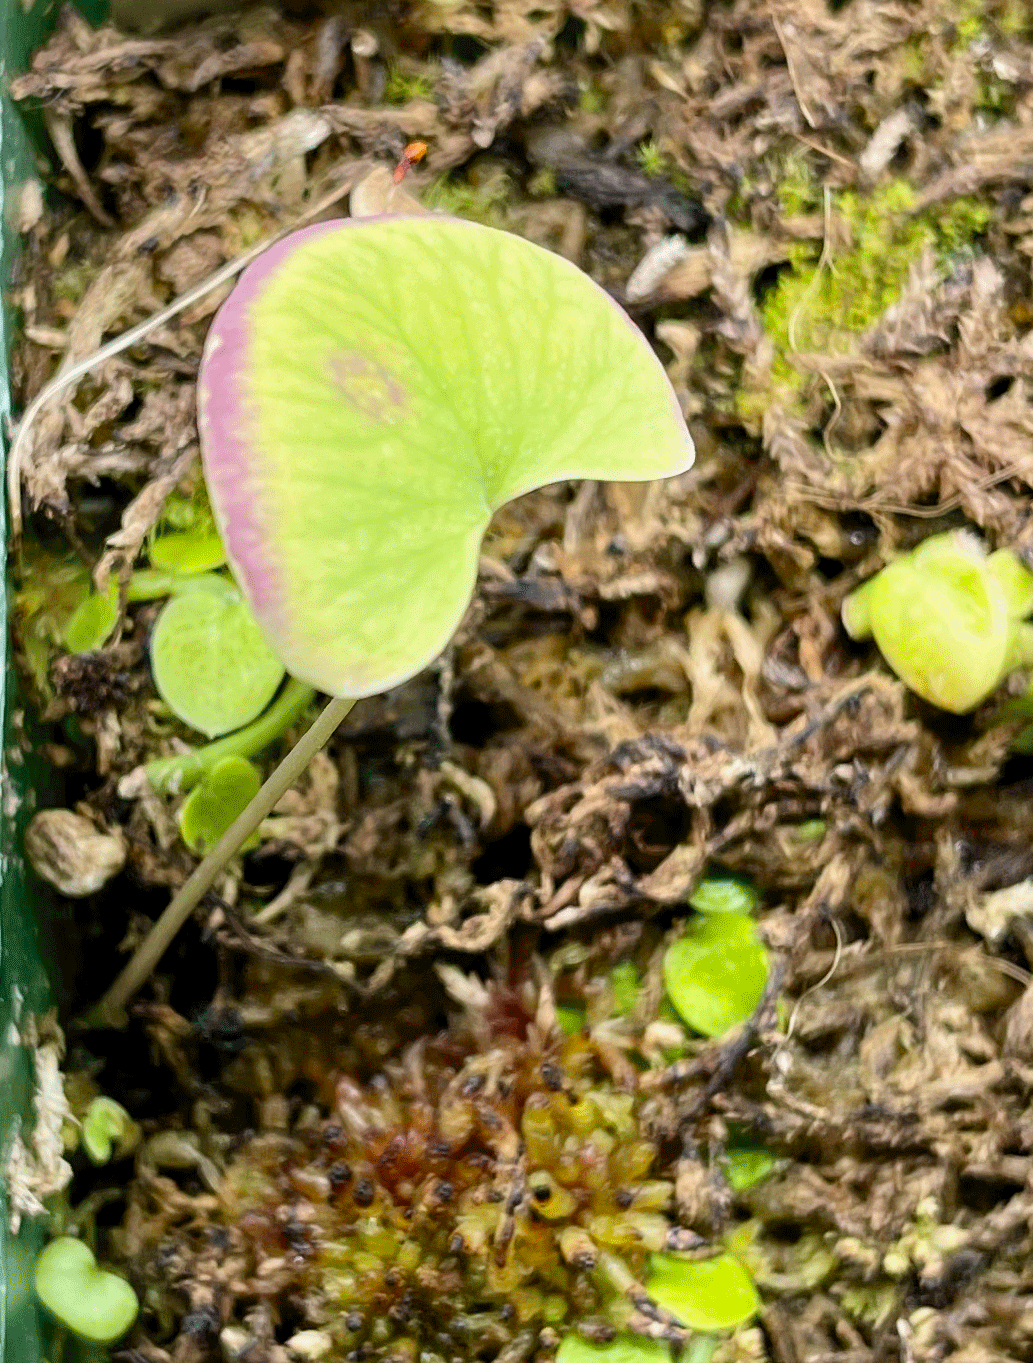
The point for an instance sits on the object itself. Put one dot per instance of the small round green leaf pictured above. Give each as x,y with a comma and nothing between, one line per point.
625,984
372,391
575,1348
92,621
211,665
1016,579
943,627
748,1165
944,618
106,1126
703,1294
95,1305
212,806
724,894
188,551
570,1018
715,974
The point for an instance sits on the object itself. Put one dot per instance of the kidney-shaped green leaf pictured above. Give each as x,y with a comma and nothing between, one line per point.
371,391
223,794
209,660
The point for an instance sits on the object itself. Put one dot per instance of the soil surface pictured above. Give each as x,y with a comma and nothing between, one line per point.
359,1076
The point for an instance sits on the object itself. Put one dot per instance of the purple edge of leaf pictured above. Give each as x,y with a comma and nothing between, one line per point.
226,417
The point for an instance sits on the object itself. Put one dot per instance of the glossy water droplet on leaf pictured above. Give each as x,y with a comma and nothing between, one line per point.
716,972
372,391
211,665
703,1294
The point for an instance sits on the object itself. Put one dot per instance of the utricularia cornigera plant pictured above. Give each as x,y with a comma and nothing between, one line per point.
370,393
949,618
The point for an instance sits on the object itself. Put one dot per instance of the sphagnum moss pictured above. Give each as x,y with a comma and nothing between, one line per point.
483,1195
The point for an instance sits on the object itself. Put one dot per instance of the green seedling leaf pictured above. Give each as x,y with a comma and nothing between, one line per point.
947,619
716,972
186,512
211,665
624,982
92,621
811,830
188,551
211,807
705,1294
748,1165
724,894
107,1128
570,1019
372,391
95,1305
1016,579
624,1349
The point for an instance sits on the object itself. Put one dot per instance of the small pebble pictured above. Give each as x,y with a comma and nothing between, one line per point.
71,853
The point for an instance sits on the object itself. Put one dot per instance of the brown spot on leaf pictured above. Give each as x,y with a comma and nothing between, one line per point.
367,386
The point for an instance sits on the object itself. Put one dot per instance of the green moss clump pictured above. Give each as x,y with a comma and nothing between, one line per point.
509,1192
51,588
401,88
651,158
591,99
455,1199
484,203
821,305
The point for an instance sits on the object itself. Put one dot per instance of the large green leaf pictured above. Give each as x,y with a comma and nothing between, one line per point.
372,391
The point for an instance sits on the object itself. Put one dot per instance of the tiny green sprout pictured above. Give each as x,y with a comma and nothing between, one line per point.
92,1303
703,1294
210,663
811,830
92,621
948,618
724,894
716,972
181,772
570,1018
197,550
651,158
624,983
624,1349
747,1165
210,808
107,1129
